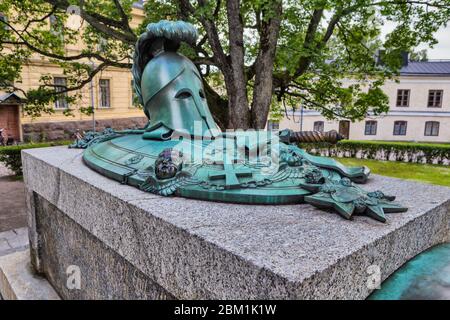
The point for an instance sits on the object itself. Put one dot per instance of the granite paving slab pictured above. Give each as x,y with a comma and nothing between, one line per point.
19,282
13,240
12,203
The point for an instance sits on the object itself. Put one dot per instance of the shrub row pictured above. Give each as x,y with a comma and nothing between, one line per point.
382,150
10,156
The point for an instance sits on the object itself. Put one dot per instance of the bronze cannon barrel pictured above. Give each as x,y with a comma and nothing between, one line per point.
290,136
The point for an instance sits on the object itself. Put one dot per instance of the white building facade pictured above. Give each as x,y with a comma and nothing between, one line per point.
419,109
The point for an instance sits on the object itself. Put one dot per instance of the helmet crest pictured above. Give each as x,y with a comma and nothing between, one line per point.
161,36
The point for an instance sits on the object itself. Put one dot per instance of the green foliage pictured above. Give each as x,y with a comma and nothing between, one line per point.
350,51
313,62
413,152
428,173
87,111
11,156
36,29
276,112
421,55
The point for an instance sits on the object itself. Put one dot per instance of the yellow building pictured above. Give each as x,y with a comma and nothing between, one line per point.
419,109
110,93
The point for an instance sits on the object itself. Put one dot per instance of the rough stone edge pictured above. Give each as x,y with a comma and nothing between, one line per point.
383,252
18,282
33,235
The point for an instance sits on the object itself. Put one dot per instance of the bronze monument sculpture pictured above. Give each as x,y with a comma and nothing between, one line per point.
181,151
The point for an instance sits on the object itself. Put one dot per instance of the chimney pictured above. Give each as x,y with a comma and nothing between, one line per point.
380,57
405,58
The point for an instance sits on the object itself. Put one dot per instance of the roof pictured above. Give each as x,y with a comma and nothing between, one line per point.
11,96
436,68
138,4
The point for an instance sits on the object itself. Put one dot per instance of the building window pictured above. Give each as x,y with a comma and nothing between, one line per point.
432,128
60,85
400,128
105,97
318,126
56,27
4,21
435,98
402,98
102,45
371,128
273,125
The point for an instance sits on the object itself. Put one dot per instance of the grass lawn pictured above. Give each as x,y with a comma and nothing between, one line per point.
427,173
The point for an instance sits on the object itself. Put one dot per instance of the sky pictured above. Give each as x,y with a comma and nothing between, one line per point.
440,51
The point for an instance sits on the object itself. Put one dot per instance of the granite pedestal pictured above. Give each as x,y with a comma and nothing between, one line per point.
135,245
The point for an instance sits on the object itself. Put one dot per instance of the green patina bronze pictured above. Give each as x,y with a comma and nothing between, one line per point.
182,152
425,277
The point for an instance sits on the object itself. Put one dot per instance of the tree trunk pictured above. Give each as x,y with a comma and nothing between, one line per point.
218,106
235,79
262,92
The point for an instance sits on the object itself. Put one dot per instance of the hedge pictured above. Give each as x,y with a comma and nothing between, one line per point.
10,156
400,151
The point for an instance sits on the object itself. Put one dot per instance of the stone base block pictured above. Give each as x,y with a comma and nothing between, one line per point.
127,244
18,280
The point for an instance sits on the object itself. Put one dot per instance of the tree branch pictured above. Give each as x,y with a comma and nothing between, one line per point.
305,61
262,92
313,25
204,61
32,47
100,22
48,15
312,102
211,31
79,86
123,16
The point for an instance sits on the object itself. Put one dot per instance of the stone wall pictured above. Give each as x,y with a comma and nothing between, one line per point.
64,130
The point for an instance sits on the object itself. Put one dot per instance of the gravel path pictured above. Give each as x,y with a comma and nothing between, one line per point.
12,201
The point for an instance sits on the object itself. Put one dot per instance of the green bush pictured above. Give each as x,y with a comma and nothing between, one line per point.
10,156
423,152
